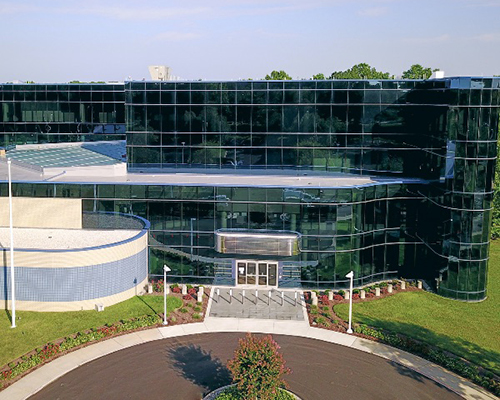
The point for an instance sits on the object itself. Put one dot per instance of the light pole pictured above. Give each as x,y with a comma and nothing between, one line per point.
350,275
12,277
183,144
165,270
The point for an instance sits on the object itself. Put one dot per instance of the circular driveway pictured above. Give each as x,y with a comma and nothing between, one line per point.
186,368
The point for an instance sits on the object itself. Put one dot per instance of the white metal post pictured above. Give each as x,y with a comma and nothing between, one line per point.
12,276
350,275
165,270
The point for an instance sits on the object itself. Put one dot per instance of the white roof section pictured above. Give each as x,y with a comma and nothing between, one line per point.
63,239
72,170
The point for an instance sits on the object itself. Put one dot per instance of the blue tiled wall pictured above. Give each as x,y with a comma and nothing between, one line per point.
75,284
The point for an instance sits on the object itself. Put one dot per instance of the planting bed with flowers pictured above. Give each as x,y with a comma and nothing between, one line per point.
182,309
191,310
324,316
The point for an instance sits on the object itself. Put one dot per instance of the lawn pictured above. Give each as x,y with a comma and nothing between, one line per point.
471,330
34,329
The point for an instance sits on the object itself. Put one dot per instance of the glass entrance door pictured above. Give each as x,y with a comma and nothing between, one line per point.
261,273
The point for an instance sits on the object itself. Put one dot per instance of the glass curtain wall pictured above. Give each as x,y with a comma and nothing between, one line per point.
55,113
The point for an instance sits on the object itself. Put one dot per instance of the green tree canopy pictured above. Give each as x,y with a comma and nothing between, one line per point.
361,71
278,76
416,71
319,76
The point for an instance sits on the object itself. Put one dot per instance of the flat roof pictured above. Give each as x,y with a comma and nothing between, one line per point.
106,153
63,239
59,156
188,177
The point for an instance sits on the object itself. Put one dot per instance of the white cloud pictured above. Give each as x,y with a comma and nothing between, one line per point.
15,8
488,37
137,13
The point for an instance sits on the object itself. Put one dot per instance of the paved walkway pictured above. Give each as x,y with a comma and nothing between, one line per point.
35,381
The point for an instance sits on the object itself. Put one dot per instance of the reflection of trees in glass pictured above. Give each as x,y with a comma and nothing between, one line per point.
179,264
209,154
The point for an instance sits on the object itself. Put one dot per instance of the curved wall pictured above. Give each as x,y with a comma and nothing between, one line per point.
76,279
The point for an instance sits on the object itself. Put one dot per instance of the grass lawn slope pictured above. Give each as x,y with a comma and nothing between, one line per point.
34,329
470,330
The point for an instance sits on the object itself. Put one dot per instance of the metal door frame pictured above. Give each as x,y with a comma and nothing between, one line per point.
257,275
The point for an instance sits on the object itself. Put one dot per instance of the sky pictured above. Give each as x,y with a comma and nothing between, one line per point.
116,40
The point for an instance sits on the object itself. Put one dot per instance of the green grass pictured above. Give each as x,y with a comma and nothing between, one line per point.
34,329
470,330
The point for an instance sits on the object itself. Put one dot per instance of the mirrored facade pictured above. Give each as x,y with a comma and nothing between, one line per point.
396,180
55,113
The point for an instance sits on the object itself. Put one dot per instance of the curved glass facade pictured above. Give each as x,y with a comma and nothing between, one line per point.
415,162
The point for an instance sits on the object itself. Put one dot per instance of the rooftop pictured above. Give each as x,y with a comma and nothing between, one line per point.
63,239
73,157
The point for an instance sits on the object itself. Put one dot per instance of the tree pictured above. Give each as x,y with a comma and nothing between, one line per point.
319,76
258,367
416,71
361,71
278,76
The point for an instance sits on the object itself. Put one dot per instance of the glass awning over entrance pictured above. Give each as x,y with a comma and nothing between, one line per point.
266,243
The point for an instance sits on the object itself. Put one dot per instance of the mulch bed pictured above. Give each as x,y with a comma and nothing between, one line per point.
174,318
188,302
330,319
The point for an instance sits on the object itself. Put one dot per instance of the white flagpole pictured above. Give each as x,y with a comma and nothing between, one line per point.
12,277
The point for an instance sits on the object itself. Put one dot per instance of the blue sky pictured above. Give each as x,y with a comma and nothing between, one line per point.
62,40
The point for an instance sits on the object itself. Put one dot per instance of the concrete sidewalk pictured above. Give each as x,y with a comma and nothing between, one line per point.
48,373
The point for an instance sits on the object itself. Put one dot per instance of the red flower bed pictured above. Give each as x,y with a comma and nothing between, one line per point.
324,299
337,297
192,291
176,289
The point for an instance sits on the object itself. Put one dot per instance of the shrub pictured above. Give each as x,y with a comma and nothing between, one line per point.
189,305
258,368
326,308
183,310
199,303
355,291
196,316
341,293
197,308
189,287
322,321
451,362
158,286
314,311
